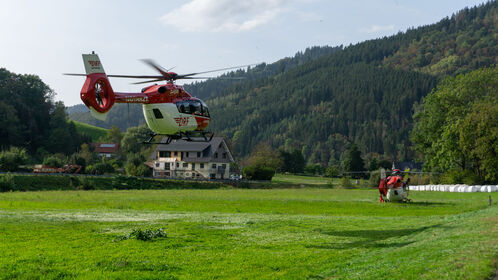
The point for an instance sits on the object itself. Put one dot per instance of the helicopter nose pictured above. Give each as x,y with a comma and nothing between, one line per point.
202,122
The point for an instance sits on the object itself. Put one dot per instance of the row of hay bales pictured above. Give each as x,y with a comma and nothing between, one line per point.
455,188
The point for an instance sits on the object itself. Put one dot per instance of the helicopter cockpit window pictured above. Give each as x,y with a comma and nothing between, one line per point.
204,109
192,107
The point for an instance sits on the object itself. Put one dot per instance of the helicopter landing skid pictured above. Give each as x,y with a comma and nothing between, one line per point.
192,136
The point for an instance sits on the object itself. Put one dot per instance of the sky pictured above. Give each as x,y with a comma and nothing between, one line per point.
47,38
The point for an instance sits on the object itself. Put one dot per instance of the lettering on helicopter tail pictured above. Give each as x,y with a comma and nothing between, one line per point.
181,121
136,99
94,63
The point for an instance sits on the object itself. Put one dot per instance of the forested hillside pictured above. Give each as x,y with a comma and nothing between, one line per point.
364,94
29,118
325,99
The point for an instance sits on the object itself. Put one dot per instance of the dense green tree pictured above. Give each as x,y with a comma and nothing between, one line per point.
114,135
478,139
373,165
332,171
132,141
53,161
451,131
135,165
63,136
11,159
87,153
258,172
263,155
25,105
292,162
353,162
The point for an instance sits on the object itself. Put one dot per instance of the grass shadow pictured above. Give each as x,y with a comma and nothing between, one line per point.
368,244
370,238
426,203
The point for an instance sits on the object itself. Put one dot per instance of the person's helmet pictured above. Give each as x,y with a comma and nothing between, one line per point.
396,172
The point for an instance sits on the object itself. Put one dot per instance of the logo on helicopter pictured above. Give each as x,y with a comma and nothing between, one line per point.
94,63
181,121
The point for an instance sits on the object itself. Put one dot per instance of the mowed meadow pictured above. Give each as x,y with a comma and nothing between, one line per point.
305,233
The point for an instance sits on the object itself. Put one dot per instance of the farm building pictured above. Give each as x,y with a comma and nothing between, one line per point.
105,149
197,160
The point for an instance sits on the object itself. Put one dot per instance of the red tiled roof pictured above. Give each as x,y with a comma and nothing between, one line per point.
105,148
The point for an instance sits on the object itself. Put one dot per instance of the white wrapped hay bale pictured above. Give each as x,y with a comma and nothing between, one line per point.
483,188
453,189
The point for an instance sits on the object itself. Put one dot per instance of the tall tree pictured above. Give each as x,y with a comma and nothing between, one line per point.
450,130
353,161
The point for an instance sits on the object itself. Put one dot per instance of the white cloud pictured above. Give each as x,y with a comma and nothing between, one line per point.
377,28
223,15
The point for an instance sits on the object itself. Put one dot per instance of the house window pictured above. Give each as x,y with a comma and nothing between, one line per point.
212,176
224,155
158,164
177,164
202,165
185,164
193,166
175,153
166,166
193,174
224,166
198,154
215,155
186,154
164,154
214,165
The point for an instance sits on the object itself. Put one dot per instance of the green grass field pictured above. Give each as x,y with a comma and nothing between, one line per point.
304,180
93,131
247,234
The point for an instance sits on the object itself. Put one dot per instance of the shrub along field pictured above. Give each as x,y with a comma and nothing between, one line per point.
246,234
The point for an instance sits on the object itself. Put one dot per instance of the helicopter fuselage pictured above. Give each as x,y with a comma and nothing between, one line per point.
168,109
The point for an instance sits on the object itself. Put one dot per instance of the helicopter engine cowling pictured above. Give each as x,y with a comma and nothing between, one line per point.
97,94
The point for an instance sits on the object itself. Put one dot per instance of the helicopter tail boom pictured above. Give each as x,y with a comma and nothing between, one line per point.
97,93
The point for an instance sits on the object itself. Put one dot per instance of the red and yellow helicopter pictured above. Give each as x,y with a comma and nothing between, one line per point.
168,109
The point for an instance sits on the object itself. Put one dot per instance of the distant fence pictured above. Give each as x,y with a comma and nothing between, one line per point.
455,188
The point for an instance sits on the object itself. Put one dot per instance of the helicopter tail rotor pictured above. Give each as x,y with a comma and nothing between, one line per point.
97,93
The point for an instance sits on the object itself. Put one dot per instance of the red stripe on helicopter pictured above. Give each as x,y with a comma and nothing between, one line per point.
202,122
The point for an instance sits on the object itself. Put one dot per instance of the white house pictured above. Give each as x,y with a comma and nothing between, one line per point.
197,160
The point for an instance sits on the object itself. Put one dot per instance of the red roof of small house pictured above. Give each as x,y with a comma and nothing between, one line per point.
105,148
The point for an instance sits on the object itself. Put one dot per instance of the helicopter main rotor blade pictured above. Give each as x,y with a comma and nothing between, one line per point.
156,66
183,76
220,78
73,74
137,76
122,76
150,81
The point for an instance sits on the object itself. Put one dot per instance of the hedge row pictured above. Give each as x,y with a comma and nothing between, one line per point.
17,182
